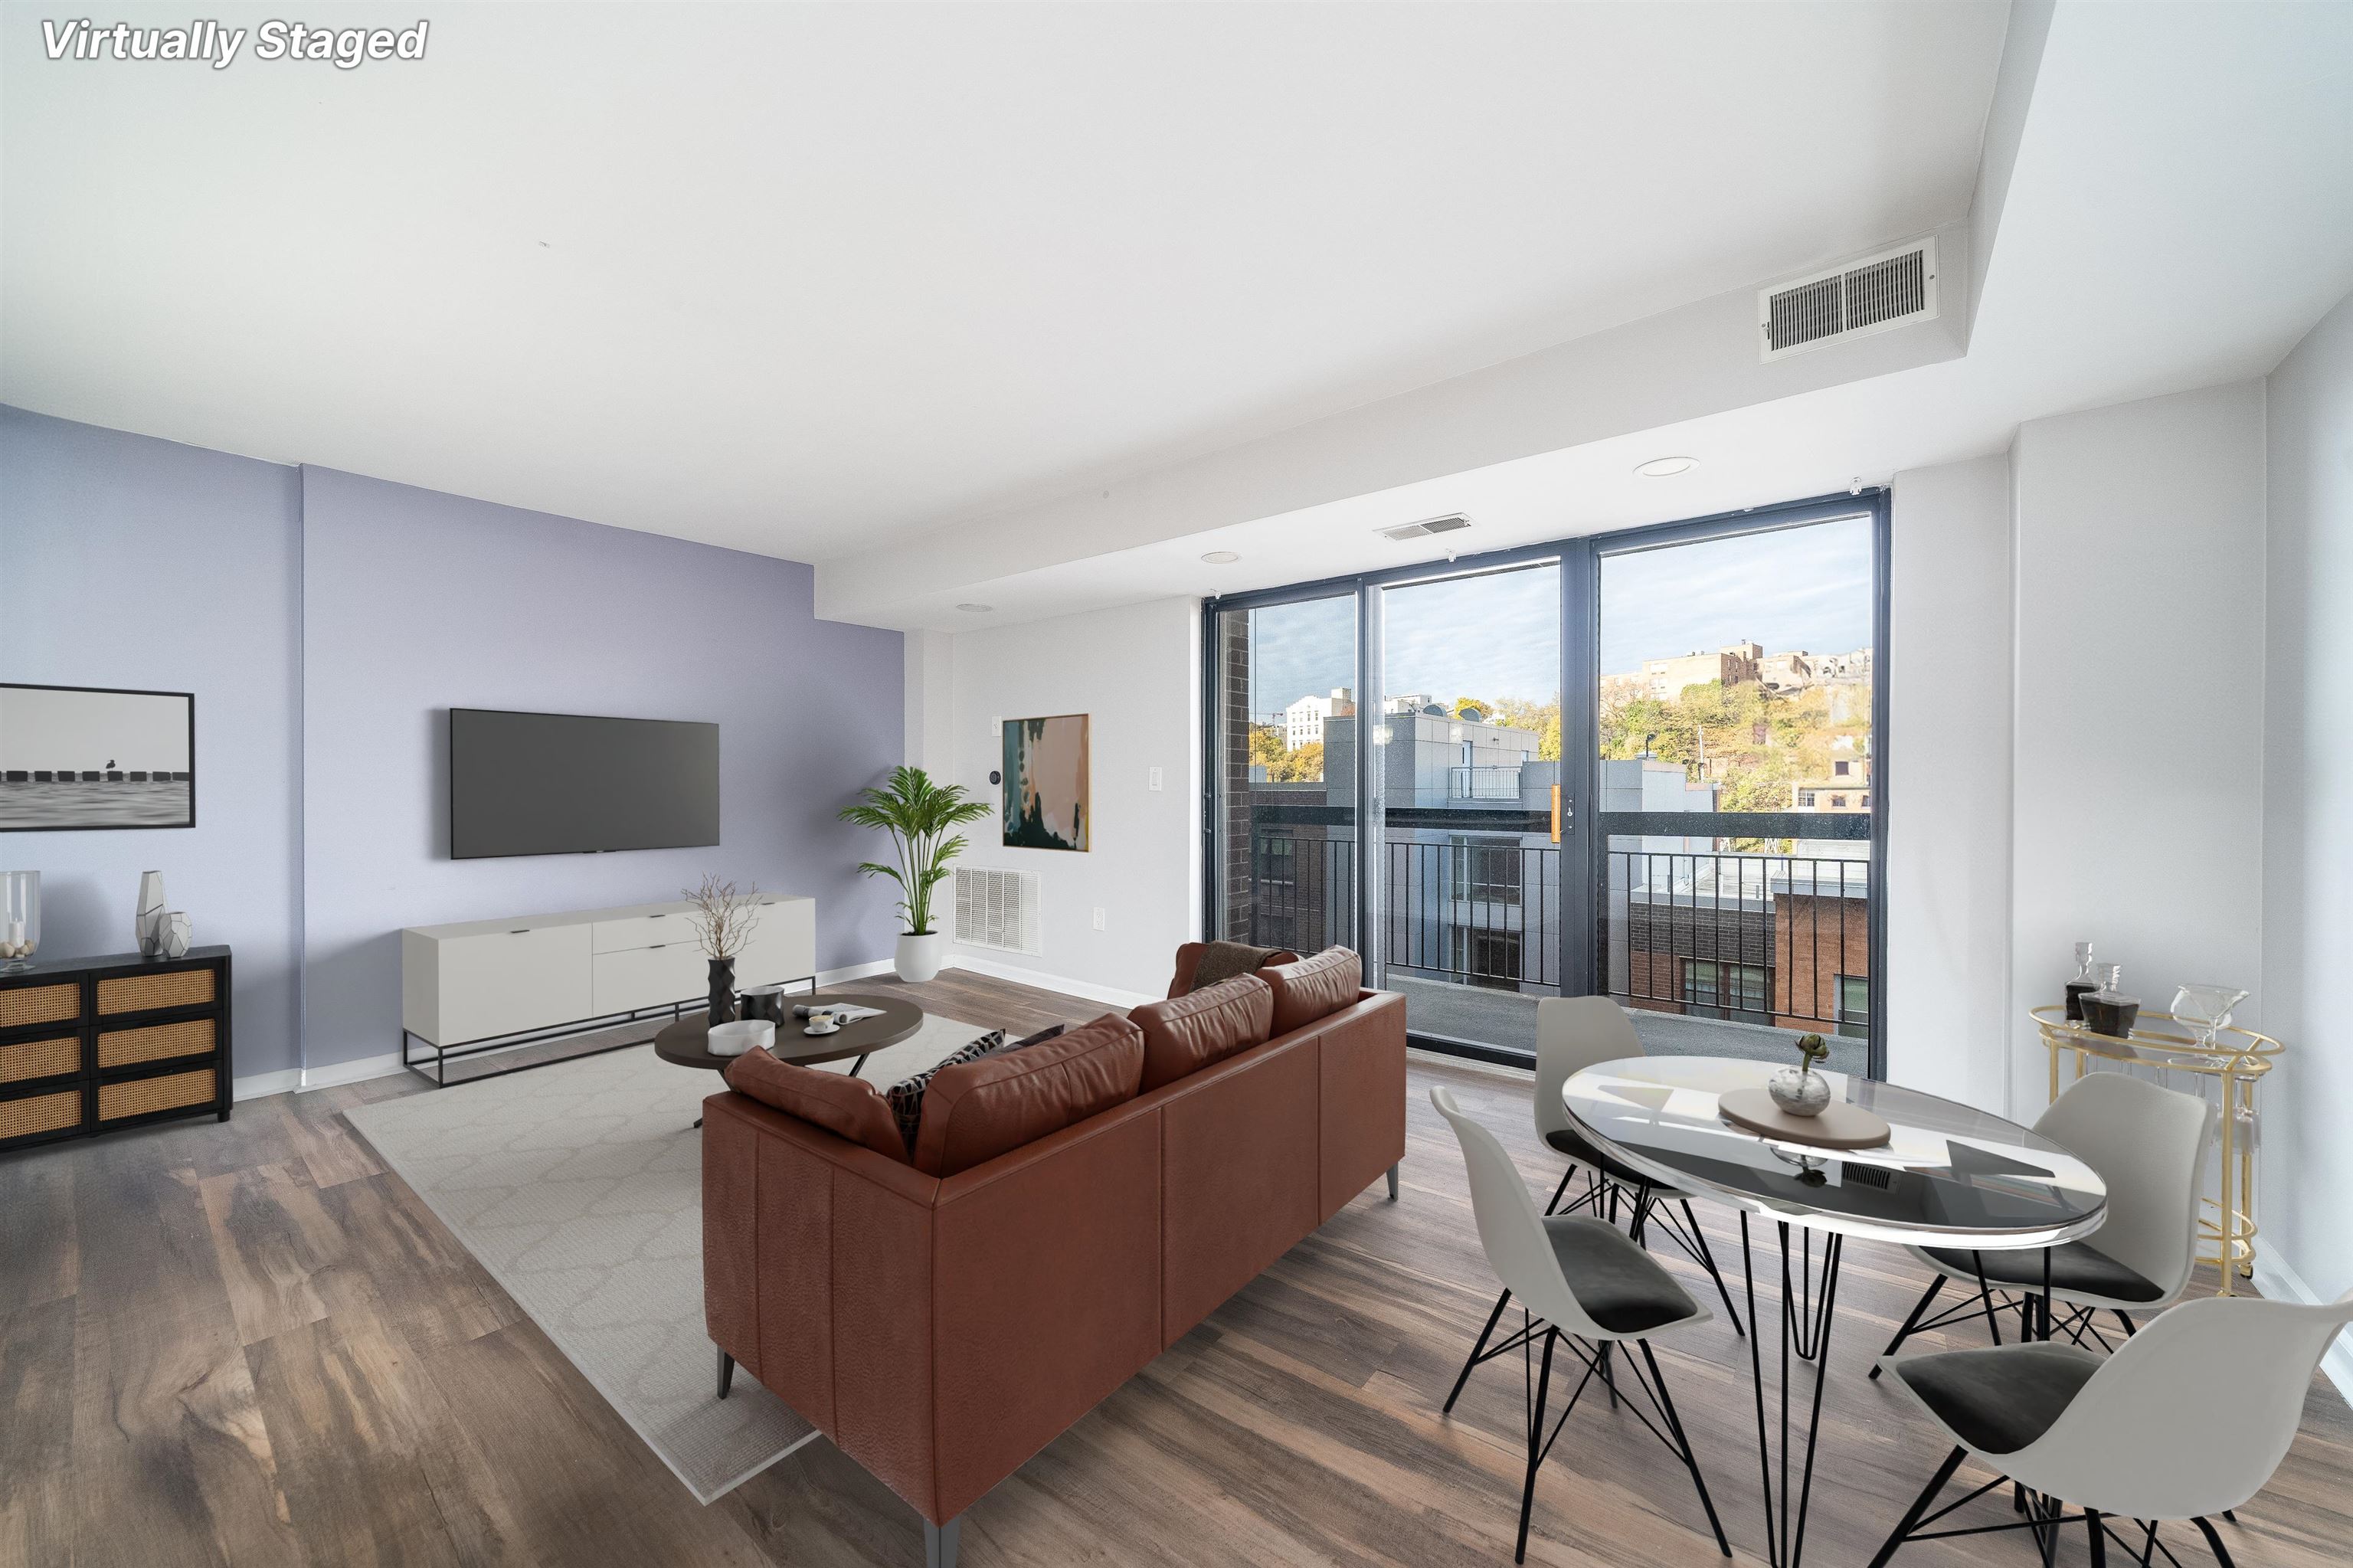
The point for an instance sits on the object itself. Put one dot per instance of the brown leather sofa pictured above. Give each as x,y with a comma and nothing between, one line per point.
940,1332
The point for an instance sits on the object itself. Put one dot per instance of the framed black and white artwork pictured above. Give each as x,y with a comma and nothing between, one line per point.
73,759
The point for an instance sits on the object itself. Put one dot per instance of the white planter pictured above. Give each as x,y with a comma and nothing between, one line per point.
919,958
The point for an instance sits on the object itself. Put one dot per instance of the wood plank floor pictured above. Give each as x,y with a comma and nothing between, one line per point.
249,1344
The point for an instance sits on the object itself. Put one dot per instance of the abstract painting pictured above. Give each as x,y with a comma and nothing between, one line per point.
75,758
1046,782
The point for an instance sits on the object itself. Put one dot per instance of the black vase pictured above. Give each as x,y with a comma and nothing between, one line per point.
722,992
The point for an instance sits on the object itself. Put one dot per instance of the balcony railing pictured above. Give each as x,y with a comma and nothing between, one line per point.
1483,783
1755,936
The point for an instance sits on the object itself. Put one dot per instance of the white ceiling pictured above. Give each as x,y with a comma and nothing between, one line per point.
2179,213
799,280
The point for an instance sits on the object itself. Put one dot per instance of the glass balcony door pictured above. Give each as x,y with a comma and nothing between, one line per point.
1735,739
1640,764
1465,768
1282,797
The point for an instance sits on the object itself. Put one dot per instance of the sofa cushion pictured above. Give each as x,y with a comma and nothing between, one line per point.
1204,964
1313,988
841,1104
1051,1032
977,1110
1186,1033
906,1096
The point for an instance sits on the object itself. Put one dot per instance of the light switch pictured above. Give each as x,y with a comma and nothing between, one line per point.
1155,779
1098,920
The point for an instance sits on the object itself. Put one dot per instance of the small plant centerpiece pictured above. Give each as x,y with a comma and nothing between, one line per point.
921,817
723,920
1799,1090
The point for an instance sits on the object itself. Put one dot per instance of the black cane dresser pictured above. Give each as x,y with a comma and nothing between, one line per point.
92,1046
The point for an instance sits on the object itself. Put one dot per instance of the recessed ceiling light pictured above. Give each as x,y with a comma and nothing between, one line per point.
1221,558
976,609
1666,467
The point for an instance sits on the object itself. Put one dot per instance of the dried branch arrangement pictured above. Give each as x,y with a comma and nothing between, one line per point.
722,917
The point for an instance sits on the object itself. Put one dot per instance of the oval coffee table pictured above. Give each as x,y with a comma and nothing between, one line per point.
685,1041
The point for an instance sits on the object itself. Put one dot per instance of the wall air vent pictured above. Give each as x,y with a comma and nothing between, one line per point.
1892,289
999,909
1451,522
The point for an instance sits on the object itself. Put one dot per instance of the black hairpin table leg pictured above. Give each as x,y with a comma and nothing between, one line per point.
1785,1516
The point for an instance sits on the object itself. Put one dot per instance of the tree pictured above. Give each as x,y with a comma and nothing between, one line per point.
1302,765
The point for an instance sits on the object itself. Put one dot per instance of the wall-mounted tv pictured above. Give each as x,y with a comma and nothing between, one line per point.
568,784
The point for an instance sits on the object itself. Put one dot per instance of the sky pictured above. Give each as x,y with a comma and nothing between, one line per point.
47,728
1497,635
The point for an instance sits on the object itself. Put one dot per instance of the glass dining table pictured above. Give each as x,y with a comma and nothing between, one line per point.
1948,1176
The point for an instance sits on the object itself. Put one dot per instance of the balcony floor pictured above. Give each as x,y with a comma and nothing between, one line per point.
1508,1018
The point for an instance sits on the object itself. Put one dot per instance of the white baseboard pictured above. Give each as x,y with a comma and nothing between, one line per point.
295,1080
1109,995
255,1085
855,972
2278,1281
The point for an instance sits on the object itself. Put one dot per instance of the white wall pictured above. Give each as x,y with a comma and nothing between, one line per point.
1136,672
1946,782
2307,751
2136,797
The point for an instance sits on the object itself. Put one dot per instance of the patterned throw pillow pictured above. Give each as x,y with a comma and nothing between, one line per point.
906,1096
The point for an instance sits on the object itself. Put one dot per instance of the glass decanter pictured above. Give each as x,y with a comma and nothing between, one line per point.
2108,1011
2085,982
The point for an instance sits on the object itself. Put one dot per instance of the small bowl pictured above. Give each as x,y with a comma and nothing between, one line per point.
744,1035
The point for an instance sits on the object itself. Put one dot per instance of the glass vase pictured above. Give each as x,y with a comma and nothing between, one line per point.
20,918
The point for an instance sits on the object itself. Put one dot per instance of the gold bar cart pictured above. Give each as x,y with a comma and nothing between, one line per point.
2237,1062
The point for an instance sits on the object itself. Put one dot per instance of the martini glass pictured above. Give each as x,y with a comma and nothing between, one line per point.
2209,1008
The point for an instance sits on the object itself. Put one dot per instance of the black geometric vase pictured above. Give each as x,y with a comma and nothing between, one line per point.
722,991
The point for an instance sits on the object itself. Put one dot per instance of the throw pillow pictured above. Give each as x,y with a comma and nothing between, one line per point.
1313,988
906,1096
851,1108
977,1110
1186,1033
1201,964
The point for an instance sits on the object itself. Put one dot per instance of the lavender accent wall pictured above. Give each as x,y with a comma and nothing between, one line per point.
127,561
416,602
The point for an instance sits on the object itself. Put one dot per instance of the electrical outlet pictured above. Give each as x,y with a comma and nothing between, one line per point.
1100,916
1156,779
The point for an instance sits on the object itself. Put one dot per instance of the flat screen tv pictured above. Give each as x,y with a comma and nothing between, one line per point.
567,784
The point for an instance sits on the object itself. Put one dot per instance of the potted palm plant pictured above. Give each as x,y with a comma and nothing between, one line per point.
920,817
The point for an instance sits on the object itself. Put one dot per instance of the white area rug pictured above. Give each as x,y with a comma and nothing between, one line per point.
579,1186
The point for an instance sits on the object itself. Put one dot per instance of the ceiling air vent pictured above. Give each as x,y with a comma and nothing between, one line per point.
1448,523
1892,289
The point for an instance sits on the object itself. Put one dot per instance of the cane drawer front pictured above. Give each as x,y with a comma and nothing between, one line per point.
54,1002
51,1056
146,993
172,1091
156,1043
30,1115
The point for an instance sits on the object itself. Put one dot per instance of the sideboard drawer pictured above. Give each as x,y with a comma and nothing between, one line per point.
635,931
30,1059
145,994
39,1004
40,1113
172,1091
156,1043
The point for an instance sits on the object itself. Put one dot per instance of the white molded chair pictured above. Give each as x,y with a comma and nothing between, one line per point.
1573,1033
2149,1146
1577,1277
2187,1420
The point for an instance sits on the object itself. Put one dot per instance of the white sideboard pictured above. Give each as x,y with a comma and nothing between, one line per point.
480,979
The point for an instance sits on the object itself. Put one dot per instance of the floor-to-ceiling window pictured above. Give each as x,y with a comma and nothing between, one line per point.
1641,765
